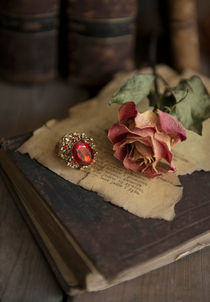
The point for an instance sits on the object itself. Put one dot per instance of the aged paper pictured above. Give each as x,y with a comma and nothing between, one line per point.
148,198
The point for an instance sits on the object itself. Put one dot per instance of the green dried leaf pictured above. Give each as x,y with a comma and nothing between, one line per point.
192,103
134,89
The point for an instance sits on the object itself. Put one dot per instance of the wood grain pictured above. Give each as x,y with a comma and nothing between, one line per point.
24,274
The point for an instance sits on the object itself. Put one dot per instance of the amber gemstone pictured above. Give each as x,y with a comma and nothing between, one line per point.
82,153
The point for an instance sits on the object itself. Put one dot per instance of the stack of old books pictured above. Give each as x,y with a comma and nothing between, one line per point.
90,40
93,39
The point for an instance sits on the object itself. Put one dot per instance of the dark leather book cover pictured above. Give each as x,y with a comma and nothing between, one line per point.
106,239
28,40
101,39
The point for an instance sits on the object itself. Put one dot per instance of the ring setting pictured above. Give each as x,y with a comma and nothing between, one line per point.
77,150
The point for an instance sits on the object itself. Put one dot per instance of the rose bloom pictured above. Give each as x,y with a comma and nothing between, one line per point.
140,140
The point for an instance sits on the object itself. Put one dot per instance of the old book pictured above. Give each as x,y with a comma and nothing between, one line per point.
91,244
28,40
184,34
101,39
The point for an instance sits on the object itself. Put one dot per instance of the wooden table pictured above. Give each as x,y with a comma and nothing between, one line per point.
24,273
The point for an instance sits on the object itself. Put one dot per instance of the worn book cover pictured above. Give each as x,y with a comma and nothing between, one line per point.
100,39
91,244
29,40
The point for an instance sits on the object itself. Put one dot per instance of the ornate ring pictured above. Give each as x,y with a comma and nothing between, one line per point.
77,150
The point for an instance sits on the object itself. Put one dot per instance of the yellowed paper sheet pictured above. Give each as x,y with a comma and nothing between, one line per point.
148,198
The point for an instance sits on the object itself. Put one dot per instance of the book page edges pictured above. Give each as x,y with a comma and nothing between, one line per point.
194,245
95,281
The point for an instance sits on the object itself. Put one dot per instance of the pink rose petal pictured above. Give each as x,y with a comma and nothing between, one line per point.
147,132
146,120
127,111
117,133
171,126
120,150
161,151
146,140
151,172
141,140
163,138
158,149
172,167
144,150
129,164
161,147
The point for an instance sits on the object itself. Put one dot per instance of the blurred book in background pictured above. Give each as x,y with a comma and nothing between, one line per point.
97,38
204,32
101,39
152,37
184,34
28,40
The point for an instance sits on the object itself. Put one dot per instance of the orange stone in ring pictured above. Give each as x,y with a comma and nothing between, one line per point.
82,153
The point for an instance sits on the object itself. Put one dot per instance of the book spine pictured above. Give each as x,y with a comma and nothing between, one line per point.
101,39
184,34
28,40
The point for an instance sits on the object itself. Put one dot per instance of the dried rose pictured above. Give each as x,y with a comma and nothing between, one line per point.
140,140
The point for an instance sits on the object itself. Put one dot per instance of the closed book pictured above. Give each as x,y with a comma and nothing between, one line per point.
91,244
101,39
28,40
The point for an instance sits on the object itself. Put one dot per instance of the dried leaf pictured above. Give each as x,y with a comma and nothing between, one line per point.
134,89
192,103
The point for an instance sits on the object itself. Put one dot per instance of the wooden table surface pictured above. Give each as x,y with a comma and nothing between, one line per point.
24,273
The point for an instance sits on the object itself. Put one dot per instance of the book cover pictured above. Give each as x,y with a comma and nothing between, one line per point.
184,34
28,40
91,244
101,39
